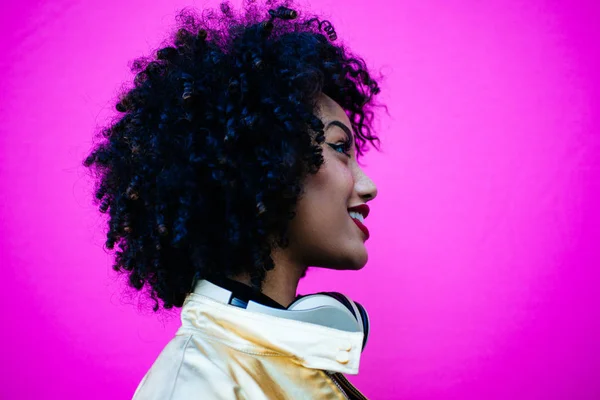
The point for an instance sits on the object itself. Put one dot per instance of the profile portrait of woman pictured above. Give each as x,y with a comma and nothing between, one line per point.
231,168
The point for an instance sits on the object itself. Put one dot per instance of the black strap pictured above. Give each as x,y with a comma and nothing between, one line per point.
243,293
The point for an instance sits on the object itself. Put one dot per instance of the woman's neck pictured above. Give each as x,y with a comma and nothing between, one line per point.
281,283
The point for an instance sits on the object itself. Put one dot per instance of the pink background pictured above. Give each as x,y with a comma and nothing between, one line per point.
483,274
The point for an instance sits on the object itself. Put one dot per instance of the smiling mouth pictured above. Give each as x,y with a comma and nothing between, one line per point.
358,214
361,226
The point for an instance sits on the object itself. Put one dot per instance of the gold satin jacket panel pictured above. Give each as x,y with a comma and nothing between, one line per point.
223,352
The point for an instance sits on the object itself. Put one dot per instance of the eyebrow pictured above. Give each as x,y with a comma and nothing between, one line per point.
343,126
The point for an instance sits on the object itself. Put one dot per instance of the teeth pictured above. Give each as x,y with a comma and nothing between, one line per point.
357,215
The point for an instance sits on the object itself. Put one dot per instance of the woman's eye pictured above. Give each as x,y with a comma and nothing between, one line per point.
343,148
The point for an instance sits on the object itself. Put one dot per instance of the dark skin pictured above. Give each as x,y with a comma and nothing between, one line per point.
322,234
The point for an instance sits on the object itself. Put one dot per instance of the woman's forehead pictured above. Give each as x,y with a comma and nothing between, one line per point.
330,110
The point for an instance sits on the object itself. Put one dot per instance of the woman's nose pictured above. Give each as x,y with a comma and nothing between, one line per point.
365,187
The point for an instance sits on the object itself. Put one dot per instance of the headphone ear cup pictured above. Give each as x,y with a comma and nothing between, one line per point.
298,297
344,300
359,312
361,318
365,323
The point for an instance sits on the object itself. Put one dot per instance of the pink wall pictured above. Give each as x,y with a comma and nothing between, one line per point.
484,256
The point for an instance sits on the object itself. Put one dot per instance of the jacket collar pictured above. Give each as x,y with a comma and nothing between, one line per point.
311,345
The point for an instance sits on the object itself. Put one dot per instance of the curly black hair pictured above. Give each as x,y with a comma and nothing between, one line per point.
201,169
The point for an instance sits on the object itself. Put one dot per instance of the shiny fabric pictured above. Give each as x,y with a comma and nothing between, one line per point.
225,352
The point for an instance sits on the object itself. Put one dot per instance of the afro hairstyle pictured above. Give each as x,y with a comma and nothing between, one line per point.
200,170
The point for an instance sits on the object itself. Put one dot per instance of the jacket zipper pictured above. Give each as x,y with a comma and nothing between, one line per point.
339,386
345,386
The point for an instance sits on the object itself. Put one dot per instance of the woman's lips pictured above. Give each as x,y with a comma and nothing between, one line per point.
361,227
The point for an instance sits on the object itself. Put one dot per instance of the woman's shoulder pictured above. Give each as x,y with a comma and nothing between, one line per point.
195,365
188,366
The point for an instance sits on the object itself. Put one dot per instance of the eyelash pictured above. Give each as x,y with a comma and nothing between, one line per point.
345,146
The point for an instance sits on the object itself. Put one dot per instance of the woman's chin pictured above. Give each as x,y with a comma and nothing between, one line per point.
357,261
354,258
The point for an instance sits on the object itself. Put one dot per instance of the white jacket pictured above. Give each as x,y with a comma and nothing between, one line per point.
225,352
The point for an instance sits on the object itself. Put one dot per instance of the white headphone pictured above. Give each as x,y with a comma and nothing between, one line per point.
329,309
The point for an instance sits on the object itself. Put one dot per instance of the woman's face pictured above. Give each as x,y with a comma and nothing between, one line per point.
323,233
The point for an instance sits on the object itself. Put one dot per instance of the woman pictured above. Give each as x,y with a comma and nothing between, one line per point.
231,169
